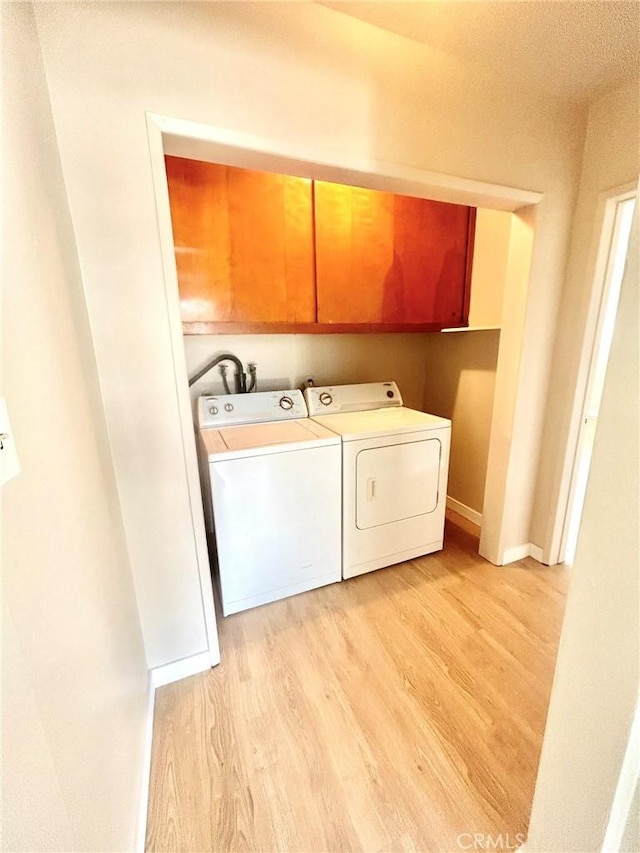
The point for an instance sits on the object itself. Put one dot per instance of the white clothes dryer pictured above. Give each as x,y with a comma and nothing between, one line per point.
273,496
395,464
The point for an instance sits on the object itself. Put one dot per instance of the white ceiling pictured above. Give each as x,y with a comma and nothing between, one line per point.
566,48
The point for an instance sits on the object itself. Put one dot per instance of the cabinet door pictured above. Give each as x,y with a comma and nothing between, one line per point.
385,258
243,243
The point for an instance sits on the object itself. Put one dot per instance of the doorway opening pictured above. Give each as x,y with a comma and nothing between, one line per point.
188,139
169,136
614,248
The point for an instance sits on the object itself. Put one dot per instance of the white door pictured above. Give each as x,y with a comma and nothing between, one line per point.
397,482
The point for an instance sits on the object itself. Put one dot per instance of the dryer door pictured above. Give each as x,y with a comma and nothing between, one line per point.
397,482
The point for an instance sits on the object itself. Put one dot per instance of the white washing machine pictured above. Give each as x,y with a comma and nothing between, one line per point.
395,463
274,496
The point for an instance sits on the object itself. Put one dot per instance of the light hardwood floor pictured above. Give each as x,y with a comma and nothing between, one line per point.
394,711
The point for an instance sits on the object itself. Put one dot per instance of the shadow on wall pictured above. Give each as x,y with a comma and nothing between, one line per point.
459,384
285,361
449,355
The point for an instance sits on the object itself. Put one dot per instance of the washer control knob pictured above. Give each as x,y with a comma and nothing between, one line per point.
213,410
286,403
389,393
325,398
228,407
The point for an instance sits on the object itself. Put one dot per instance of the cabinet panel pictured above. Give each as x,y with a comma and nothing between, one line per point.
385,258
243,242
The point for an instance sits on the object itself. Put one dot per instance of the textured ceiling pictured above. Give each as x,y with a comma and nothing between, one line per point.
567,48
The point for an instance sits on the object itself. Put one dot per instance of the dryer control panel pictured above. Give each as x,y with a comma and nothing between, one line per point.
333,399
227,409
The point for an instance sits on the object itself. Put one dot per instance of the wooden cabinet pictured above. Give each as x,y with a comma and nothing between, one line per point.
390,259
257,251
243,243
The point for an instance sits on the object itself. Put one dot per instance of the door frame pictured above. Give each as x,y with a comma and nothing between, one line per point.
181,137
597,273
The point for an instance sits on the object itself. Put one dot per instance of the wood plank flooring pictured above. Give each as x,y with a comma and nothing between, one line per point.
392,712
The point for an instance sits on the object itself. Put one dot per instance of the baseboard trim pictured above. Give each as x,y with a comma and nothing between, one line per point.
465,511
170,672
146,770
511,555
535,552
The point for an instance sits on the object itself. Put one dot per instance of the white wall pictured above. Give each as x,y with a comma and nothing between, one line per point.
611,159
320,84
75,683
595,691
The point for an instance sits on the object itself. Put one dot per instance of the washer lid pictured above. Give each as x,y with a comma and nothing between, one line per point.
381,422
272,437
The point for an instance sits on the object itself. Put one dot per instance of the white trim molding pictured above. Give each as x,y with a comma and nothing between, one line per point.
170,672
512,555
183,400
146,770
536,552
464,510
184,138
596,271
